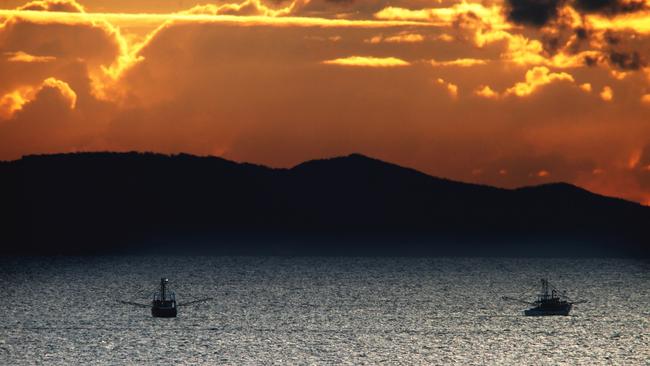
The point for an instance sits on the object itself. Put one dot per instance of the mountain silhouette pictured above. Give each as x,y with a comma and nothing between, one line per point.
87,203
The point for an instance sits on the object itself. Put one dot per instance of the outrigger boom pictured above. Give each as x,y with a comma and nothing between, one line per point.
163,303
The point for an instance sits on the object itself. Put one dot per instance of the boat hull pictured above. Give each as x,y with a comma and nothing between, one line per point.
163,312
561,311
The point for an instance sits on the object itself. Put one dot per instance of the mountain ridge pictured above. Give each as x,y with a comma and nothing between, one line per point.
101,202
313,161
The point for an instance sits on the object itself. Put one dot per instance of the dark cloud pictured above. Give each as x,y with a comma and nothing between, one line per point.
612,39
533,12
591,61
626,61
609,6
551,44
564,39
538,13
581,33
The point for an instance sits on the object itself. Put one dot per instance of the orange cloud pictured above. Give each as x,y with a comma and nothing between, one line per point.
486,25
13,101
53,5
446,16
639,22
395,13
452,89
607,94
367,61
374,39
461,62
522,50
445,38
485,91
536,78
403,37
645,99
247,7
49,122
63,88
21,56
198,17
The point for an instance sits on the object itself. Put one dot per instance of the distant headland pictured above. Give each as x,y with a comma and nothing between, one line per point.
100,203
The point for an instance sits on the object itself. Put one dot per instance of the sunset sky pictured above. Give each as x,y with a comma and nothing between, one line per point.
511,93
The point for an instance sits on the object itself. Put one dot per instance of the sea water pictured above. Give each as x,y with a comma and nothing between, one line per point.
276,310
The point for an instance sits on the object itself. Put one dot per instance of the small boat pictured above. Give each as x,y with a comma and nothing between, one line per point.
551,302
163,304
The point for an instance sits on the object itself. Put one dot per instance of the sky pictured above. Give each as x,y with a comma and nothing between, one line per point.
508,93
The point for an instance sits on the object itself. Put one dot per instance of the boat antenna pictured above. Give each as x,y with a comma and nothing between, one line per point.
544,288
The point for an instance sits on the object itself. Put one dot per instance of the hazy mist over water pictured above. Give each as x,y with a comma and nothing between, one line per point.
272,310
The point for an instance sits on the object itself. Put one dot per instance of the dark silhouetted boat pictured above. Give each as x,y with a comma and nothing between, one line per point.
163,304
551,302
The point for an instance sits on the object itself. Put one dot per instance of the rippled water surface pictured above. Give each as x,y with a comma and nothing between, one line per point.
321,310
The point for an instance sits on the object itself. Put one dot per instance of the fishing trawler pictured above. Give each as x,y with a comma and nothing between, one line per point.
548,303
163,304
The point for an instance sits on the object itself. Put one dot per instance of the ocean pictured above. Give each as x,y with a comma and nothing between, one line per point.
322,310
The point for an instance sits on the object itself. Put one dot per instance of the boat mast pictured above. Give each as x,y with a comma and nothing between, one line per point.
163,281
544,289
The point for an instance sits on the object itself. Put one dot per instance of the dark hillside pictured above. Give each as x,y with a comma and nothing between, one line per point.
353,205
